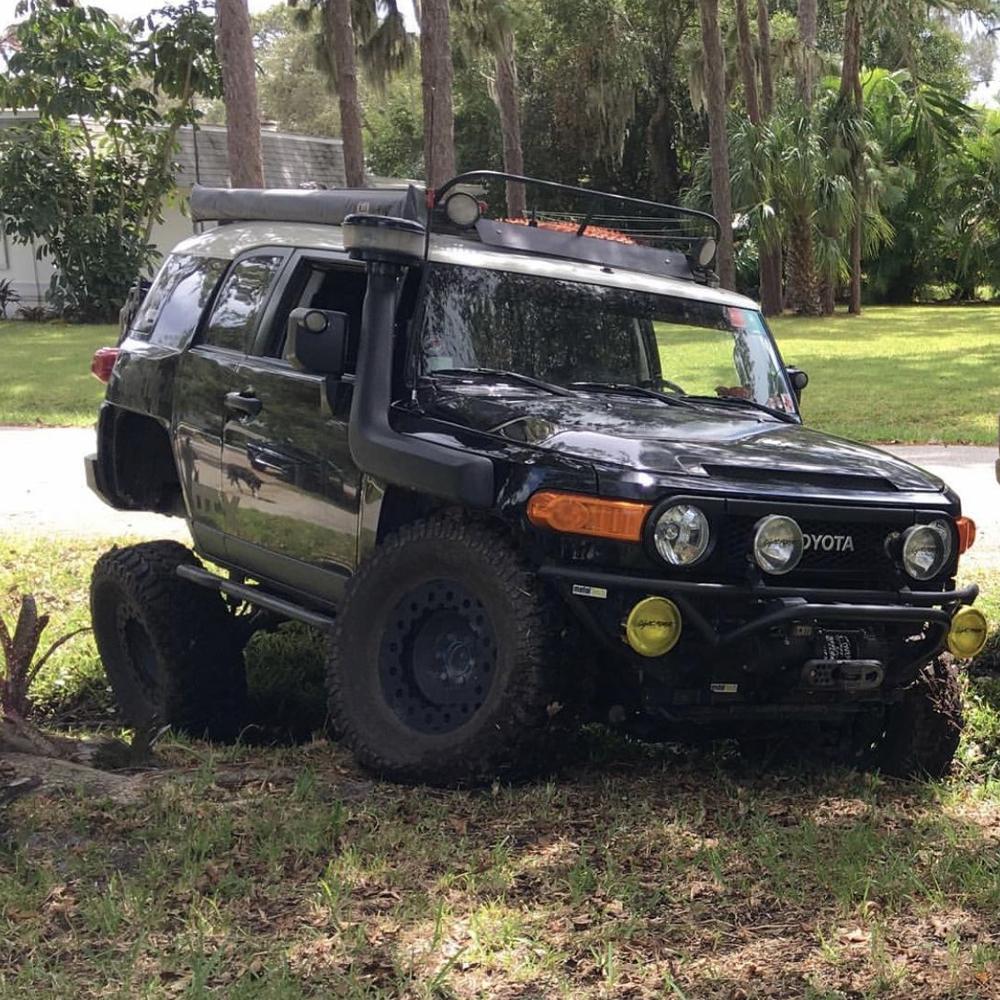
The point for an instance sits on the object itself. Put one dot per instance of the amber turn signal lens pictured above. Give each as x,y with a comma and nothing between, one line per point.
966,533
576,514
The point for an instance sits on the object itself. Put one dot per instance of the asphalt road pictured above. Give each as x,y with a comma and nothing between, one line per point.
42,488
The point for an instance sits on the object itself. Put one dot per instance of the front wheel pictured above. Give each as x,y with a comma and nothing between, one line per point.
919,734
442,663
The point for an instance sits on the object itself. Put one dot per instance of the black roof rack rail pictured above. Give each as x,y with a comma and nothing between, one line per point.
582,224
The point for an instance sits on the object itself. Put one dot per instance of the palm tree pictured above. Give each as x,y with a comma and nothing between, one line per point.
371,32
487,25
234,43
718,140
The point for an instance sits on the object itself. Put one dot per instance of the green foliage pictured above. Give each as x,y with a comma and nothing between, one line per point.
85,181
8,296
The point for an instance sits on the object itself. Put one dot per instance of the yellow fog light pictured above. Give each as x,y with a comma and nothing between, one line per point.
653,626
967,634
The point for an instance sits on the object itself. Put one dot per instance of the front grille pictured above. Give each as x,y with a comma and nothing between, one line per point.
864,560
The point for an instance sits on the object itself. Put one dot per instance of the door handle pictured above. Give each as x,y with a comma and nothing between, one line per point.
240,403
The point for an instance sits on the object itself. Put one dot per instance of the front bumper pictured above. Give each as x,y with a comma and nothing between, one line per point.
775,605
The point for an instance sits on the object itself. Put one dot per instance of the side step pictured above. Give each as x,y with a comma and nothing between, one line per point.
256,596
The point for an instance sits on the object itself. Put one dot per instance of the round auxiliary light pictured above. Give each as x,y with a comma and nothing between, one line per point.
706,251
777,544
926,549
967,635
653,626
681,535
381,237
462,209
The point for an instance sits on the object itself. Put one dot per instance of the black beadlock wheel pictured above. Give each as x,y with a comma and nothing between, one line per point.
443,661
919,735
171,649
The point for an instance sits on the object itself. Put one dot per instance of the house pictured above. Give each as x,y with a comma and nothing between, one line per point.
289,162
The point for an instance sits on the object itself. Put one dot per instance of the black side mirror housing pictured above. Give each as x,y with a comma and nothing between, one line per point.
798,378
317,340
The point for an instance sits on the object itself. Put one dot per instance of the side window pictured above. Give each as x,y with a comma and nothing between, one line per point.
323,285
241,301
172,308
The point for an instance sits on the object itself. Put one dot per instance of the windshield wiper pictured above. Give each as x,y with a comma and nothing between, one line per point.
499,374
628,389
751,404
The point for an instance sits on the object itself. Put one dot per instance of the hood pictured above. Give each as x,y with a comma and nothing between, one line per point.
711,442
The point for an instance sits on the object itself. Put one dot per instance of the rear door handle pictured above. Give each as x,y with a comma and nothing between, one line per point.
241,403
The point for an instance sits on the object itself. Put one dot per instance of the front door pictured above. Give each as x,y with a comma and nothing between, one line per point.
290,485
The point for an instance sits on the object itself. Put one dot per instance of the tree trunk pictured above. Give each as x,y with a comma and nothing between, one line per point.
508,104
436,73
828,295
769,257
766,82
234,43
748,70
852,93
807,39
339,31
718,139
803,286
771,297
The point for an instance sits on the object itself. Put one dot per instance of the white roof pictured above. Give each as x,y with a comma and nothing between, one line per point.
235,238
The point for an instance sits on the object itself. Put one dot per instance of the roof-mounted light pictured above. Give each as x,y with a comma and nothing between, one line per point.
384,238
462,210
702,252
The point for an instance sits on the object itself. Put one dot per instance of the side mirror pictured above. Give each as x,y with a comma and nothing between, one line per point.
317,340
798,378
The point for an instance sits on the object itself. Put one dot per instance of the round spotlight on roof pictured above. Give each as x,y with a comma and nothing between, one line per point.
703,252
383,238
462,209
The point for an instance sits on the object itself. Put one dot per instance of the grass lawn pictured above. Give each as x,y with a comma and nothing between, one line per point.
626,871
911,374
45,373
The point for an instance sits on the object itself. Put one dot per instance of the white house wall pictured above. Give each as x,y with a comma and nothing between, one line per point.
28,276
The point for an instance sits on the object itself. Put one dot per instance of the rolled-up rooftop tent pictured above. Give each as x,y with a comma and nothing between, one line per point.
328,208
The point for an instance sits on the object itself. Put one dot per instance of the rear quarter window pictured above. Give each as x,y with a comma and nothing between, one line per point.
173,307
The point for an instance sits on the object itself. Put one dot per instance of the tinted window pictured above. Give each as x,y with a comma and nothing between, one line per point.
170,312
240,302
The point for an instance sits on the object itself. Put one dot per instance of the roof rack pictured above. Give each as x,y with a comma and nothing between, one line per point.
328,208
580,224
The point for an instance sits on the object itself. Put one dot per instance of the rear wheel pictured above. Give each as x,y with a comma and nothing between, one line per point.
919,734
442,661
170,648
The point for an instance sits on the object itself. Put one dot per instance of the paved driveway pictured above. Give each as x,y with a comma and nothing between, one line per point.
42,488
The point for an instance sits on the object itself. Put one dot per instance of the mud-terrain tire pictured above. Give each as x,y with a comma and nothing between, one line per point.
443,662
920,733
170,648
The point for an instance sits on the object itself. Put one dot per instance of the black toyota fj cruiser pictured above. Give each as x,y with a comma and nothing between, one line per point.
523,471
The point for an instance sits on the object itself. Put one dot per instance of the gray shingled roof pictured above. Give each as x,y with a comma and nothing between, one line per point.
289,160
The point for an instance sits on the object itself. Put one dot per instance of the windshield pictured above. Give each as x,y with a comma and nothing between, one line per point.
568,332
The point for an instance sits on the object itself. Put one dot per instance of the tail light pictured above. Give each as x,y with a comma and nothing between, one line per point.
103,361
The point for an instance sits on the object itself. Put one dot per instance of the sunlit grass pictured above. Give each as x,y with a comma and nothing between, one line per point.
45,373
909,374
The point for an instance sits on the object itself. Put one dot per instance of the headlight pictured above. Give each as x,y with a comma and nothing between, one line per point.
681,534
926,549
777,544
